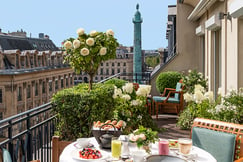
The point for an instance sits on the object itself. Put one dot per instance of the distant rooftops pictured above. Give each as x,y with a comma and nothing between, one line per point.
19,40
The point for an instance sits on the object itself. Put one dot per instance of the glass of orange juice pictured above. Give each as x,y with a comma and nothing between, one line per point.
115,148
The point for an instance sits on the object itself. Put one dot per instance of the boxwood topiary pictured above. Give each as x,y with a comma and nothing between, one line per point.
167,80
77,108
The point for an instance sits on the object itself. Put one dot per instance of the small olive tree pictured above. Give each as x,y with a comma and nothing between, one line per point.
87,51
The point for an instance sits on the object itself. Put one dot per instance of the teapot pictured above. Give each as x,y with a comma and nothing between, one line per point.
105,139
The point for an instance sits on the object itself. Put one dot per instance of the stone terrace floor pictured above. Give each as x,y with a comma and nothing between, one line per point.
168,122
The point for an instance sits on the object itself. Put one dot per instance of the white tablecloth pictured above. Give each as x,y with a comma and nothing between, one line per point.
199,154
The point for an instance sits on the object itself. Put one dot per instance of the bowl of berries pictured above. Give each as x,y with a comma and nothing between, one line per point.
88,154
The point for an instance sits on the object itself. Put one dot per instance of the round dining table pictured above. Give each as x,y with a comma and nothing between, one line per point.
70,153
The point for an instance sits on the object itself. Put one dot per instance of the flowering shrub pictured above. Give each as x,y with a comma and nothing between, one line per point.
231,108
87,51
198,105
227,108
143,136
193,78
130,106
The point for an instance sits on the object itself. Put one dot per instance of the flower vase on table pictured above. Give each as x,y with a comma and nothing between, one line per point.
144,137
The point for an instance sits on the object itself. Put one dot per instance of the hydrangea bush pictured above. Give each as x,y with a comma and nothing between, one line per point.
227,108
130,106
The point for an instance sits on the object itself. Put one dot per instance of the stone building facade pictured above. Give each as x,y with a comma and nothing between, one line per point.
28,78
123,64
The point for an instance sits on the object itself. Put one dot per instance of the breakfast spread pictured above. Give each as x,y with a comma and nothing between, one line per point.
99,124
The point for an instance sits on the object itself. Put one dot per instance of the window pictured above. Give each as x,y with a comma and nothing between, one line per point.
43,87
101,64
118,64
1,96
56,85
19,93
28,91
113,71
107,71
62,83
71,80
118,70
124,70
112,64
66,82
124,64
101,78
36,89
107,64
101,71
50,86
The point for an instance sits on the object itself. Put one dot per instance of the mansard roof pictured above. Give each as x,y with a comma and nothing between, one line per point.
8,42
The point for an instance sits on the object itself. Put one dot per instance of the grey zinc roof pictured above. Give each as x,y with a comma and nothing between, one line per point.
8,42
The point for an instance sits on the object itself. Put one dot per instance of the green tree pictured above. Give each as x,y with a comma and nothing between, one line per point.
87,51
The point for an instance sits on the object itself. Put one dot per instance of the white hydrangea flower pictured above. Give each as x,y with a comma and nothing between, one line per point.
189,71
188,97
84,51
90,41
209,96
68,44
198,96
103,51
126,97
136,102
80,31
140,117
219,108
76,43
198,87
128,88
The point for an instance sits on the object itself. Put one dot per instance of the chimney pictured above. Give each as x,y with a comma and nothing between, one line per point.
0,30
41,35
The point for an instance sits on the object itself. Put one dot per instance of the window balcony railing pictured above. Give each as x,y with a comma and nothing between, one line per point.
27,135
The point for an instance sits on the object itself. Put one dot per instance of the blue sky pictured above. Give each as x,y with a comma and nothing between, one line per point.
60,19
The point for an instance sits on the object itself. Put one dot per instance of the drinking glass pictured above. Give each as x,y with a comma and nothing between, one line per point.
163,146
185,145
115,148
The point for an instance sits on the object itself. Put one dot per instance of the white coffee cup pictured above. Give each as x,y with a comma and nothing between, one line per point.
138,155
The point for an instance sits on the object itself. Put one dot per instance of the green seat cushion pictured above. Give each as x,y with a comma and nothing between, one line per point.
161,99
221,145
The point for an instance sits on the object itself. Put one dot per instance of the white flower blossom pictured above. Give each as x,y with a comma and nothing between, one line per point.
68,45
84,51
209,95
76,43
188,97
198,96
198,87
136,102
103,51
80,31
90,41
128,88
117,92
128,119
126,97
143,90
110,32
189,71
140,117
93,33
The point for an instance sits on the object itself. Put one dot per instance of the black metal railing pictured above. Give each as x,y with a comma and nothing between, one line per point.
28,135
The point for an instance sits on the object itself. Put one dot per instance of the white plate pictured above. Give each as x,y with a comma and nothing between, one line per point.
75,155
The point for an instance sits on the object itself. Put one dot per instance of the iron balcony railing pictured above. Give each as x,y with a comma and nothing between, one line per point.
27,135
